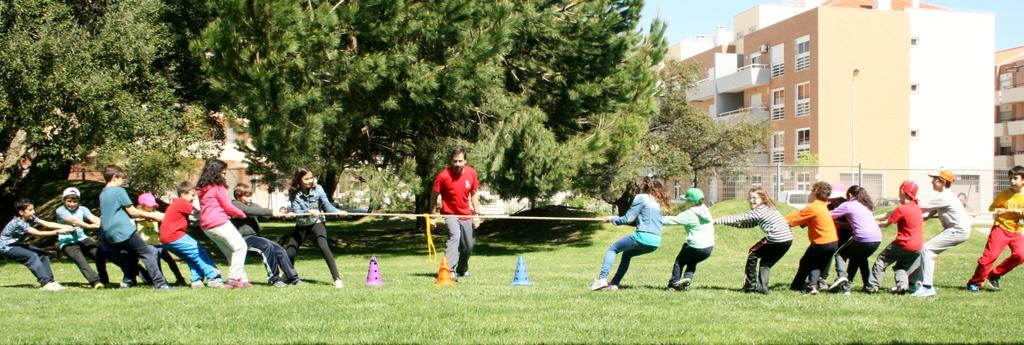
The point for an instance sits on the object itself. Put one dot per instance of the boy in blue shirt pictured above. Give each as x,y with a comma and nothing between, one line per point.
119,230
76,245
32,257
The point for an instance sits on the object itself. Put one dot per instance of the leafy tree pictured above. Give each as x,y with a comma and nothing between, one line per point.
684,140
78,78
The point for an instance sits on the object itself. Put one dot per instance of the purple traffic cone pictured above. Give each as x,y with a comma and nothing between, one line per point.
373,274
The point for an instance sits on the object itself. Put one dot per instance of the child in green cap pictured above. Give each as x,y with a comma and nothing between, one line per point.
700,238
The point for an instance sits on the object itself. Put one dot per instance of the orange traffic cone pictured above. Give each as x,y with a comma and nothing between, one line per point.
444,274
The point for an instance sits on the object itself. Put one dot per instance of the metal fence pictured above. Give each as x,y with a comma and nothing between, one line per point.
791,183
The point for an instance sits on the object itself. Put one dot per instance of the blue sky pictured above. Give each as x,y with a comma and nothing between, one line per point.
693,17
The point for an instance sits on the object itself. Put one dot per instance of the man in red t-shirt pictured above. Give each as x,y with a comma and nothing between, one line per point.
457,185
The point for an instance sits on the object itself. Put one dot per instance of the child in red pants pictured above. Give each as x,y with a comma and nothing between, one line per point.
1009,213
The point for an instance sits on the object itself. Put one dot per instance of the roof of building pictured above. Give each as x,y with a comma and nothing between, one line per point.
1006,56
897,5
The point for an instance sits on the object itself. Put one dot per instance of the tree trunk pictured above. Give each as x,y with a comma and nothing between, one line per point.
9,166
329,180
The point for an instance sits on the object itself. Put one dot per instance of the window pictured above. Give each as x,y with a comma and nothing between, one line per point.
757,59
803,141
755,181
803,181
778,104
914,133
1006,81
803,53
914,42
1005,113
803,98
778,147
914,87
778,58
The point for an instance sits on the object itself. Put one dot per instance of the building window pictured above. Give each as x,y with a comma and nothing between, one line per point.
803,141
803,181
778,104
778,57
914,88
1006,81
778,147
803,53
914,133
803,98
755,181
756,59
914,42
1005,113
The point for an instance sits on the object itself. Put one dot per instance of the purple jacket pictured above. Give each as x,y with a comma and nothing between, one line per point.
865,228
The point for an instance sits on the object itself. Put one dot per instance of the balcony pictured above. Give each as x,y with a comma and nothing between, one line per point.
1009,128
753,113
744,78
1014,94
701,91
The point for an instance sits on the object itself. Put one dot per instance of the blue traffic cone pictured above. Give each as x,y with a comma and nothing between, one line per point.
521,278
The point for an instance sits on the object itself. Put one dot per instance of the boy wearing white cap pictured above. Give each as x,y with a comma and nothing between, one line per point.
956,225
76,245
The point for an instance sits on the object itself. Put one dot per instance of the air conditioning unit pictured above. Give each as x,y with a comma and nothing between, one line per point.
764,48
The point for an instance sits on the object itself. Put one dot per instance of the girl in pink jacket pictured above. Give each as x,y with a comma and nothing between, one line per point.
215,211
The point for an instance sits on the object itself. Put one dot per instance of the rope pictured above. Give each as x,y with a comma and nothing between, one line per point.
413,215
431,251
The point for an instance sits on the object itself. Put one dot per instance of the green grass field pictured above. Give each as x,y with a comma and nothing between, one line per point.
562,259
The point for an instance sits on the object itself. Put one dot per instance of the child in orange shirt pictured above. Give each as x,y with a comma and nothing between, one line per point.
821,230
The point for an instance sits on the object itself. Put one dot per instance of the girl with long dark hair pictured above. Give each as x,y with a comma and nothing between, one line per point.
646,211
866,237
215,211
306,196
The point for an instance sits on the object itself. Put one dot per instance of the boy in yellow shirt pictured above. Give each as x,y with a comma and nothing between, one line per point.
1009,213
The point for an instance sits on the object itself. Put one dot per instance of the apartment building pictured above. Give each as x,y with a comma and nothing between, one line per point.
1009,116
889,86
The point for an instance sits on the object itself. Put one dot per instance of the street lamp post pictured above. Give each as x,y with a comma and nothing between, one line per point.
853,127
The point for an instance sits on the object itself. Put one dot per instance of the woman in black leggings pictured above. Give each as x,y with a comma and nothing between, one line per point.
305,196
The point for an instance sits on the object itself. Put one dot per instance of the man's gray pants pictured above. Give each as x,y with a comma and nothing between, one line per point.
460,244
924,269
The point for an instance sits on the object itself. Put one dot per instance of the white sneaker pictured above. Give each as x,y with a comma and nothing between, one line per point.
216,284
52,286
599,284
839,282
198,284
338,284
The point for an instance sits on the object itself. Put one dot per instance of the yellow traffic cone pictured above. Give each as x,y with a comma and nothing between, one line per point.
444,274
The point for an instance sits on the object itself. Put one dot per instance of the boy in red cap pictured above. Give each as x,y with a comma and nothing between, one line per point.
1006,231
904,251
956,225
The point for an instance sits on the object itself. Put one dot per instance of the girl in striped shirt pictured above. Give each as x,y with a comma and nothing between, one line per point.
766,252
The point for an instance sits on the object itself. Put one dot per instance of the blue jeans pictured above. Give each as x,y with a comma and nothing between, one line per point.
198,260
629,248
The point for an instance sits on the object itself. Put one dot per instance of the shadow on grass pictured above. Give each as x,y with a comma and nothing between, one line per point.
399,236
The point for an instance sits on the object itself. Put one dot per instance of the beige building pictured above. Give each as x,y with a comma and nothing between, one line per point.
1009,117
859,83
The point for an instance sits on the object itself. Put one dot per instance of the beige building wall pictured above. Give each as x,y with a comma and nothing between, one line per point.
877,44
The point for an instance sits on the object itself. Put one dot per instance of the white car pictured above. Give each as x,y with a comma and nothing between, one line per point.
795,198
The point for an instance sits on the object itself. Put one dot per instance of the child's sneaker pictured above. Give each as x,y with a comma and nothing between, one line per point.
198,284
973,288
234,283
899,290
125,285
599,283
613,287
216,284
338,284
924,292
993,283
299,282
279,284
52,286
841,281
685,284
871,289
97,286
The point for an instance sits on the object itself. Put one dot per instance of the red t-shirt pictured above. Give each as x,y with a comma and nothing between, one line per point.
175,224
455,189
909,225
